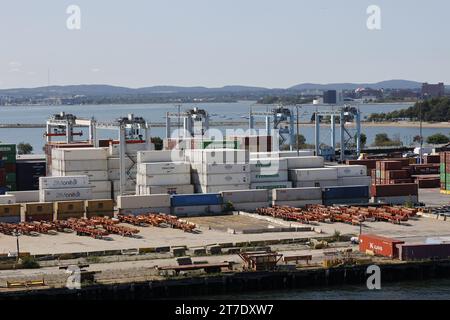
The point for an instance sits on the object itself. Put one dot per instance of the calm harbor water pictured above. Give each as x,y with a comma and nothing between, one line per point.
438,289
155,113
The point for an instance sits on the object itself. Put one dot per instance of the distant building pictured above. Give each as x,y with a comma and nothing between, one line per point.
433,90
332,97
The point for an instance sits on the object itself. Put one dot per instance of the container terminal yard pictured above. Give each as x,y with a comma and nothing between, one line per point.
122,212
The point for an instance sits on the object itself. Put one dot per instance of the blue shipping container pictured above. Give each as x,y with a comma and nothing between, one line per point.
10,219
345,192
201,199
3,190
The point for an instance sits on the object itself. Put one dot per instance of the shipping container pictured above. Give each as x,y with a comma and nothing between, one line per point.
304,162
244,196
379,245
140,211
315,184
92,175
393,190
196,199
80,165
397,200
144,201
164,179
296,194
82,154
160,156
250,206
47,195
7,199
7,210
296,203
268,165
350,170
220,168
313,174
28,174
180,189
197,210
64,207
271,185
36,208
346,201
345,192
423,251
354,181
63,182
25,196
153,168
200,188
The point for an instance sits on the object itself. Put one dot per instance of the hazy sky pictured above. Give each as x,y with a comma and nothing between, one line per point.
211,43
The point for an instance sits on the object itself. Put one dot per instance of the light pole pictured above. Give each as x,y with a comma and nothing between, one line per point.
297,136
420,133
17,234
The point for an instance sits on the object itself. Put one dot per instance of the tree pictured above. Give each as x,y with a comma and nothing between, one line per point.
383,140
363,140
438,138
24,148
158,143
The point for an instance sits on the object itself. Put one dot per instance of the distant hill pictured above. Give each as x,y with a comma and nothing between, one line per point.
389,84
95,90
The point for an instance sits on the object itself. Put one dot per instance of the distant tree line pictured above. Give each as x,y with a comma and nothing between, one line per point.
434,110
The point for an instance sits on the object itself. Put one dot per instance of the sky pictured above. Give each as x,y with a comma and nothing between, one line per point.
274,44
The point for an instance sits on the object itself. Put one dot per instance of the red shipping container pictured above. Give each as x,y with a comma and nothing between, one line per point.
390,165
397,174
369,163
394,190
405,161
425,183
379,245
434,158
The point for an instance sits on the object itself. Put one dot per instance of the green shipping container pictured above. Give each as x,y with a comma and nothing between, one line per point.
11,177
8,157
8,149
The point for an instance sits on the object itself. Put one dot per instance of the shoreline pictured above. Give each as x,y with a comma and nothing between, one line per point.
243,282
402,124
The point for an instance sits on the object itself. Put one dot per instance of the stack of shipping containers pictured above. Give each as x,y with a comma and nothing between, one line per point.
445,172
28,171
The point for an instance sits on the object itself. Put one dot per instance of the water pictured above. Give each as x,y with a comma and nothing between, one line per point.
156,113
438,289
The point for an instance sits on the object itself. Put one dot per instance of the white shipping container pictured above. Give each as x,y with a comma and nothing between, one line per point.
355,181
313,174
296,204
268,165
350,170
199,188
220,168
319,183
114,163
92,175
182,189
304,162
145,201
101,195
164,179
160,156
63,182
7,199
250,206
80,165
271,185
281,154
152,168
227,156
25,196
221,179
101,186
79,154
245,196
136,212
296,194
130,185
50,195
269,177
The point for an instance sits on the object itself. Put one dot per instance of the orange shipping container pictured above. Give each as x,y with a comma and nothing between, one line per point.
379,245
